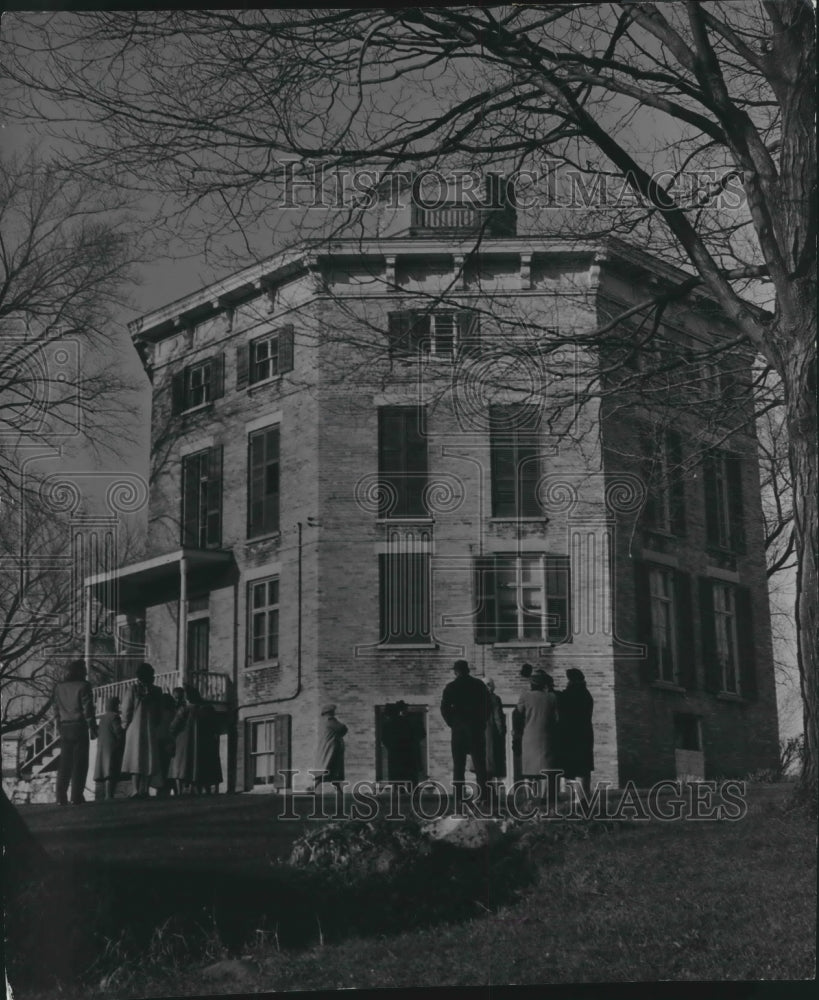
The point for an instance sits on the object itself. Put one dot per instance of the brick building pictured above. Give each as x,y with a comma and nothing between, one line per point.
365,465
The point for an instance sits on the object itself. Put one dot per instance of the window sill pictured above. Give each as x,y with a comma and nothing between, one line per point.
519,520
730,696
263,382
266,665
526,644
407,645
191,410
421,519
668,686
273,536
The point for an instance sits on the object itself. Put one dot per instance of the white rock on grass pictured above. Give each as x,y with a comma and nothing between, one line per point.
465,831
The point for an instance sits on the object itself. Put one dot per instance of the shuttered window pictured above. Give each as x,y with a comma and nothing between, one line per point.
402,461
665,490
665,624
404,598
263,482
202,499
724,508
198,384
728,638
515,463
265,357
268,754
263,620
439,334
522,598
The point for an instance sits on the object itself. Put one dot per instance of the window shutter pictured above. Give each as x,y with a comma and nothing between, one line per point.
528,477
676,485
469,330
708,634
648,472
746,644
687,662
485,600
391,465
255,484
399,327
649,668
420,331
190,501
709,476
282,750
242,366
415,461
733,468
177,392
213,528
286,349
217,379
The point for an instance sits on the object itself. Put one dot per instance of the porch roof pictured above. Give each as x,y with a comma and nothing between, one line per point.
157,580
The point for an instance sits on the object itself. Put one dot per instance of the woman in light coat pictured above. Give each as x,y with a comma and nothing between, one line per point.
537,715
142,718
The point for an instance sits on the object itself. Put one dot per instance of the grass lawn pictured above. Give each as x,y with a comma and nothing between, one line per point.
640,902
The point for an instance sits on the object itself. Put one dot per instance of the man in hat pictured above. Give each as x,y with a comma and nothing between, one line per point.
466,708
77,720
331,748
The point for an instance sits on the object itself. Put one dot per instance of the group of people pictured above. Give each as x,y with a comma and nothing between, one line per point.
551,730
169,742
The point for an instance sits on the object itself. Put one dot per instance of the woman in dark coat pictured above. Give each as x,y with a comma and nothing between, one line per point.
142,718
576,705
110,745
331,747
495,736
195,766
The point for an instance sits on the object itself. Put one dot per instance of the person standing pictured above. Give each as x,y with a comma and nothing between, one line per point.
466,709
195,765
76,721
142,718
576,705
517,726
537,717
330,754
110,744
495,736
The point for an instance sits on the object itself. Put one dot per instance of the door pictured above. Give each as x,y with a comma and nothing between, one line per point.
198,642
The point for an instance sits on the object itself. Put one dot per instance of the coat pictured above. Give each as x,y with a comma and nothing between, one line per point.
196,749
537,711
330,756
110,745
465,703
142,717
496,739
575,706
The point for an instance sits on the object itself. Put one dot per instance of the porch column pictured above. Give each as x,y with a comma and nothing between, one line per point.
182,639
86,651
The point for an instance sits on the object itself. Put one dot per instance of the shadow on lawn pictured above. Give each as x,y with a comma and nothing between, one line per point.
71,921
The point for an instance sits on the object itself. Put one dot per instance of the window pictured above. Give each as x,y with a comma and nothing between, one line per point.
202,499
515,464
269,751
402,461
687,731
197,654
664,618
440,334
725,625
404,598
663,622
265,357
665,491
412,758
198,384
522,597
263,482
728,638
263,626
722,476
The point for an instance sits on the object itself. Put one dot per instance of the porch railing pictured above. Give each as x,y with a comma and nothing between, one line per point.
212,687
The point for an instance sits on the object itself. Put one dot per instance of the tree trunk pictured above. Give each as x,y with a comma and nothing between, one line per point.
800,402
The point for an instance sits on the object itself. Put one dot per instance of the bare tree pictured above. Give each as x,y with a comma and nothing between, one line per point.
210,100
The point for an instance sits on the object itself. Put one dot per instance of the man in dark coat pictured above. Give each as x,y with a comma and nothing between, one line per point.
466,708
74,711
575,706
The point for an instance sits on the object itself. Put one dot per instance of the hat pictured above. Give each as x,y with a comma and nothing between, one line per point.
328,710
538,678
574,674
526,670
